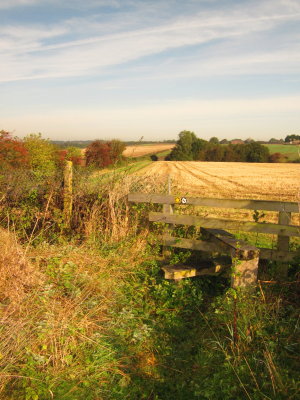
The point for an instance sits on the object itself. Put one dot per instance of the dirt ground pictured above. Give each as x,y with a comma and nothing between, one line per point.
279,182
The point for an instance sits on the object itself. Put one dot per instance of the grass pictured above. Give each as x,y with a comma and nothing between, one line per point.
87,315
289,150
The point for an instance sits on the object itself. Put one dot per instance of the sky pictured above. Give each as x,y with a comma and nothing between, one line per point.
132,69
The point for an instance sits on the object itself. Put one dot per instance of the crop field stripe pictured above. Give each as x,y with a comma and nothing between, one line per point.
191,220
265,205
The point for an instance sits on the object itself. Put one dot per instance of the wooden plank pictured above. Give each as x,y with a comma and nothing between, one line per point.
238,248
266,205
276,255
245,226
168,209
191,244
202,245
186,271
179,271
283,242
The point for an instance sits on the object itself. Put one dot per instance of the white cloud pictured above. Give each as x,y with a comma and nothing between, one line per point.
16,3
28,57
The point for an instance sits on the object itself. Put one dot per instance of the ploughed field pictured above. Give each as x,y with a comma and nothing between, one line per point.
279,182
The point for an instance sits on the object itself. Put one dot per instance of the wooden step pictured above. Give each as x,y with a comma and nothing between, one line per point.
181,271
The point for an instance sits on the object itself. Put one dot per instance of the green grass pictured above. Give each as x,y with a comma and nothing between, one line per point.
291,151
99,320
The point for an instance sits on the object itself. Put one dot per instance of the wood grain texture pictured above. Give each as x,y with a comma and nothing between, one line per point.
245,226
265,205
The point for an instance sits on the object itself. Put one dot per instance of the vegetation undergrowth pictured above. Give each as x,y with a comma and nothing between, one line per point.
87,315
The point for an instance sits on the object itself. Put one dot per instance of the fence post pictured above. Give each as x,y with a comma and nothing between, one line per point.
68,198
168,209
283,242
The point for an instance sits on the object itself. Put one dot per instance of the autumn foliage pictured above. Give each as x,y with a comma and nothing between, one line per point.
13,153
102,154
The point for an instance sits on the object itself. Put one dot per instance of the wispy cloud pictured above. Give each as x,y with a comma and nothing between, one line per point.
29,53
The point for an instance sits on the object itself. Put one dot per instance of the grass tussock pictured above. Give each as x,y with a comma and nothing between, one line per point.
56,340
17,275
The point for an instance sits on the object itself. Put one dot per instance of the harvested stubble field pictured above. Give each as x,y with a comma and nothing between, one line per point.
256,181
279,182
142,150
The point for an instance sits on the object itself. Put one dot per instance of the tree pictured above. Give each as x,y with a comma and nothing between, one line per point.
290,138
183,149
214,152
198,146
71,153
277,158
13,153
101,154
274,141
98,154
256,152
116,149
224,141
42,155
214,140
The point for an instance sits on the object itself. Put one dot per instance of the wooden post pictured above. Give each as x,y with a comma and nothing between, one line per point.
283,242
245,272
168,209
68,198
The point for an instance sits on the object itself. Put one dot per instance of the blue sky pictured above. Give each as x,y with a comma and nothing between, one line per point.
76,70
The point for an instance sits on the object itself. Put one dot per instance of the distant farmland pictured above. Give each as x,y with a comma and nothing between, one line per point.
142,150
290,150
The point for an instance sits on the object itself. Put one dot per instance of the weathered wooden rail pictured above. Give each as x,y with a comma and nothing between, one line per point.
244,257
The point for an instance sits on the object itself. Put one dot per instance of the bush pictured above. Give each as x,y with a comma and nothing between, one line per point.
42,155
277,158
101,155
13,153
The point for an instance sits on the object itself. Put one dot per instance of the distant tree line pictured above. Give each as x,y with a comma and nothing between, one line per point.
189,147
85,143
291,138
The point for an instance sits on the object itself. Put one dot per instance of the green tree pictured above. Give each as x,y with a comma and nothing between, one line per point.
256,152
198,146
116,149
214,140
290,138
184,145
42,155
224,141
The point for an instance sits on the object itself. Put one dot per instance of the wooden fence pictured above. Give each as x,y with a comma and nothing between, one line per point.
244,256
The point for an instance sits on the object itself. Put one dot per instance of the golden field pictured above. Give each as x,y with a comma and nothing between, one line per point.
142,150
279,182
256,181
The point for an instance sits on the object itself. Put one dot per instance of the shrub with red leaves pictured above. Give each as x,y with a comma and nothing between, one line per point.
13,153
101,154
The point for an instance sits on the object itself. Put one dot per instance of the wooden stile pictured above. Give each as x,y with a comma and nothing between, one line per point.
265,205
286,230
245,257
